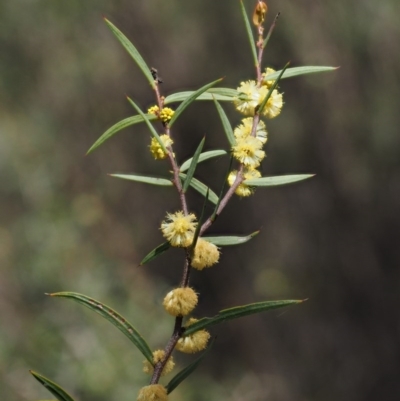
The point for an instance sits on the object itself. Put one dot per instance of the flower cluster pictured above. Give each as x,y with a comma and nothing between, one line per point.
155,148
251,134
164,115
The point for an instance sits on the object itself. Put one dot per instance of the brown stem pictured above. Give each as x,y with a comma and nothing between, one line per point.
158,368
225,199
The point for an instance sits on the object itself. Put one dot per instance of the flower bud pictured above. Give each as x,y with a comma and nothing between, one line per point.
259,13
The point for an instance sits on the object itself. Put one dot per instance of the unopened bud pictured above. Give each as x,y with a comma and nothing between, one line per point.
259,13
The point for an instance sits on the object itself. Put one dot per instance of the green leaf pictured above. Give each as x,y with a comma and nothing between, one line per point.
193,165
203,156
278,180
225,123
145,179
112,316
191,99
184,373
127,122
238,311
230,240
133,52
54,388
148,123
271,89
156,252
295,71
201,188
221,94
249,33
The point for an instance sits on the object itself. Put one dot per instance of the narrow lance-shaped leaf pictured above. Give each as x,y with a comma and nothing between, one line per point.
133,52
127,122
145,179
201,188
148,123
193,166
295,71
203,156
239,311
271,89
190,99
225,123
275,181
54,388
112,316
184,373
155,253
221,94
249,33
230,240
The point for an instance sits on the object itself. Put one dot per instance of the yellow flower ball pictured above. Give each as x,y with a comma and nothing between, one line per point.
180,302
248,151
244,129
166,114
250,96
243,189
193,342
156,149
268,83
153,110
274,105
179,229
206,254
153,392
158,355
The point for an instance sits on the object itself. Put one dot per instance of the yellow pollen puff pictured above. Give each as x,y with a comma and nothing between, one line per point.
248,151
180,302
153,392
153,110
193,342
206,254
268,71
179,229
166,114
250,96
244,129
156,149
243,189
158,356
274,105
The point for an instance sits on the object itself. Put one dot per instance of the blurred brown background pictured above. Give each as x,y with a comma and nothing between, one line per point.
65,225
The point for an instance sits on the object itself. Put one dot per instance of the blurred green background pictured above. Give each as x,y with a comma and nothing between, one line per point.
65,225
